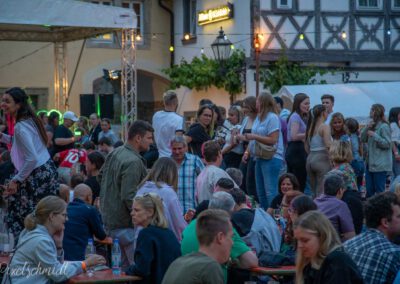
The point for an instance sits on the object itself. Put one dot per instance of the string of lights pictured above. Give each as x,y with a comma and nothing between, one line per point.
186,36
301,35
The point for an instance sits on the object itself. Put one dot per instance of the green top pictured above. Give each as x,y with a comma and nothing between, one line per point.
194,268
119,177
190,244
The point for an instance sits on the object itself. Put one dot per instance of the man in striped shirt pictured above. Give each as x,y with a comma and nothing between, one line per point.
189,168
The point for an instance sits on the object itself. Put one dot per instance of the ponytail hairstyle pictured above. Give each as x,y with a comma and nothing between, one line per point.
46,206
25,110
153,202
316,112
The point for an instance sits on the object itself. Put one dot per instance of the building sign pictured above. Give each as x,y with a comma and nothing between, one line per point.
215,15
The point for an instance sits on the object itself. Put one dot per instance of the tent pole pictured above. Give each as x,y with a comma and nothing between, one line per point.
56,80
60,75
128,81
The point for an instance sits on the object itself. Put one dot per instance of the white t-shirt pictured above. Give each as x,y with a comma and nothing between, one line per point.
270,124
165,123
207,180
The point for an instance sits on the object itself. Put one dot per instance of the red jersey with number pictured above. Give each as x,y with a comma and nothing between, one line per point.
72,156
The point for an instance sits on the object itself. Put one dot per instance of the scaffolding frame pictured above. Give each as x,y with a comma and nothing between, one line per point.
128,81
60,76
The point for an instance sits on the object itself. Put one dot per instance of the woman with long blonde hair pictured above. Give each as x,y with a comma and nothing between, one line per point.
163,181
321,258
157,247
266,145
40,247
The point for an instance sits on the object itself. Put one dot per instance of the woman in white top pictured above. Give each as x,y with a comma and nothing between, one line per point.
36,174
266,130
318,141
163,181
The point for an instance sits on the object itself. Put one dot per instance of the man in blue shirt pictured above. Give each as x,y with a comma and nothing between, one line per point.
377,258
83,223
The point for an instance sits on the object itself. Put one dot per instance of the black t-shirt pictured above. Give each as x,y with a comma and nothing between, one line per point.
242,221
337,267
199,136
94,186
353,200
62,132
276,202
201,207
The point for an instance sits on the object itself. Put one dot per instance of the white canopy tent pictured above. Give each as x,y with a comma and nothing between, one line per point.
352,100
60,21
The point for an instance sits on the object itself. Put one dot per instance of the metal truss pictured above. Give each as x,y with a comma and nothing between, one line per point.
128,81
60,76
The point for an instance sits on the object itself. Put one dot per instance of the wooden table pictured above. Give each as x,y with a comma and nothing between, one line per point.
277,273
104,276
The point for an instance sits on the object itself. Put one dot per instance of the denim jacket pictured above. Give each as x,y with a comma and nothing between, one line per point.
379,157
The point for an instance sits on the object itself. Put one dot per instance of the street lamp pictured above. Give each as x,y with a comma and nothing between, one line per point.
221,47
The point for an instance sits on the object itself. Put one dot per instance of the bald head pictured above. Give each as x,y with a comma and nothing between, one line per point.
83,192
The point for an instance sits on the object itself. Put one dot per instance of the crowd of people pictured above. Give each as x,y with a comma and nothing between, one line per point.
206,202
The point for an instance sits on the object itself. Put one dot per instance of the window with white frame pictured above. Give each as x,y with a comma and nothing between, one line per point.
189,17
396,4
369,4
137,7
284,4
104,37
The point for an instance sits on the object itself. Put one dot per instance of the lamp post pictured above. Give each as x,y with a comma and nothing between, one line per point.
257,53
221,48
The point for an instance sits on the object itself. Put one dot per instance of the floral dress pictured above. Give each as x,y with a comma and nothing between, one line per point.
350,179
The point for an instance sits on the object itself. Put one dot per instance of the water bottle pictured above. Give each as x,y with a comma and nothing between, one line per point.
116,258
90,249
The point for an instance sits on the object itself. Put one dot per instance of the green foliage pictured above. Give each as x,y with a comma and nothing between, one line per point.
283,72
203,72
